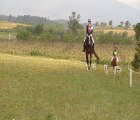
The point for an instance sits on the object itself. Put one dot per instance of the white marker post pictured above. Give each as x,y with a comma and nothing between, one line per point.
130,77
9,36
106,68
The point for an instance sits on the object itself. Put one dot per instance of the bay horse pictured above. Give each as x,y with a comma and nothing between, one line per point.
89,50
114,61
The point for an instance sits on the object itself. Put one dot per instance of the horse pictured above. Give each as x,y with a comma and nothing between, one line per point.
114,61
89,50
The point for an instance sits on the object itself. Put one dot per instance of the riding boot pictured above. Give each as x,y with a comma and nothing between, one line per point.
84,46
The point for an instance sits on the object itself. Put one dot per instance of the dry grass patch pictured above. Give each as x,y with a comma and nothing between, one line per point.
10,25
116,30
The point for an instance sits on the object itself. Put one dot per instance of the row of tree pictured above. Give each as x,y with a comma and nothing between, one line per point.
26,19
125,24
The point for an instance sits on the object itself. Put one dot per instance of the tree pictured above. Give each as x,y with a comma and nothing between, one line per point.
38,29
136,61
24,35
121,23
103,24
10,17
127,24
73,22
137,31
97,24
110,22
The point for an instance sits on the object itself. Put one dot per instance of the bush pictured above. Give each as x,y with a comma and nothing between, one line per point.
136,61
71,37
35,53
50,37
19,28
24,35
38,29
115,38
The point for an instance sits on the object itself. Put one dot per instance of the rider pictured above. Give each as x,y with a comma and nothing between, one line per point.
89,32
115,54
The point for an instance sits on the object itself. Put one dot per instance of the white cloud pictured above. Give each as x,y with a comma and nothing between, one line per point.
132,3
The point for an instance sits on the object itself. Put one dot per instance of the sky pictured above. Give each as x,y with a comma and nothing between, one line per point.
132,3
99,10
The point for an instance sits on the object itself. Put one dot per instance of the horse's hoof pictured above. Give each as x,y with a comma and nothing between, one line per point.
88,68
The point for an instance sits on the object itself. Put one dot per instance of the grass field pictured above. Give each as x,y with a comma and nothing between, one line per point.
55,85
38,88
5,36
9,25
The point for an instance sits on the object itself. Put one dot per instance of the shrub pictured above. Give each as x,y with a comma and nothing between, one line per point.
136,61
35,53
115,38
24,35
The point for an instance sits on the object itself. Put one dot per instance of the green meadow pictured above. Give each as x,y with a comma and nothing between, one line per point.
5,35
42,88
42,80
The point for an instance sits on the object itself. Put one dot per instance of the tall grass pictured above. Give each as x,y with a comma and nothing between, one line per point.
65,50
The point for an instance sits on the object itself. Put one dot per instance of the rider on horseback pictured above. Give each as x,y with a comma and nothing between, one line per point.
89,32
114,59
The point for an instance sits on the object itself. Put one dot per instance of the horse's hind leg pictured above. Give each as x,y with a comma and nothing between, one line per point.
90,59
87,60
97,57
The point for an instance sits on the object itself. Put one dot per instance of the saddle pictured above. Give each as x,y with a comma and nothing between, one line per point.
89,42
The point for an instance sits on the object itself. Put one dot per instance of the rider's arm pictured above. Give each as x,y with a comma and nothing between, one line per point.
92,31
87,30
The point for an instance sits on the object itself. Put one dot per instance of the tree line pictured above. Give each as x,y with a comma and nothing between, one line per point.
74,33
26,19
33,20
